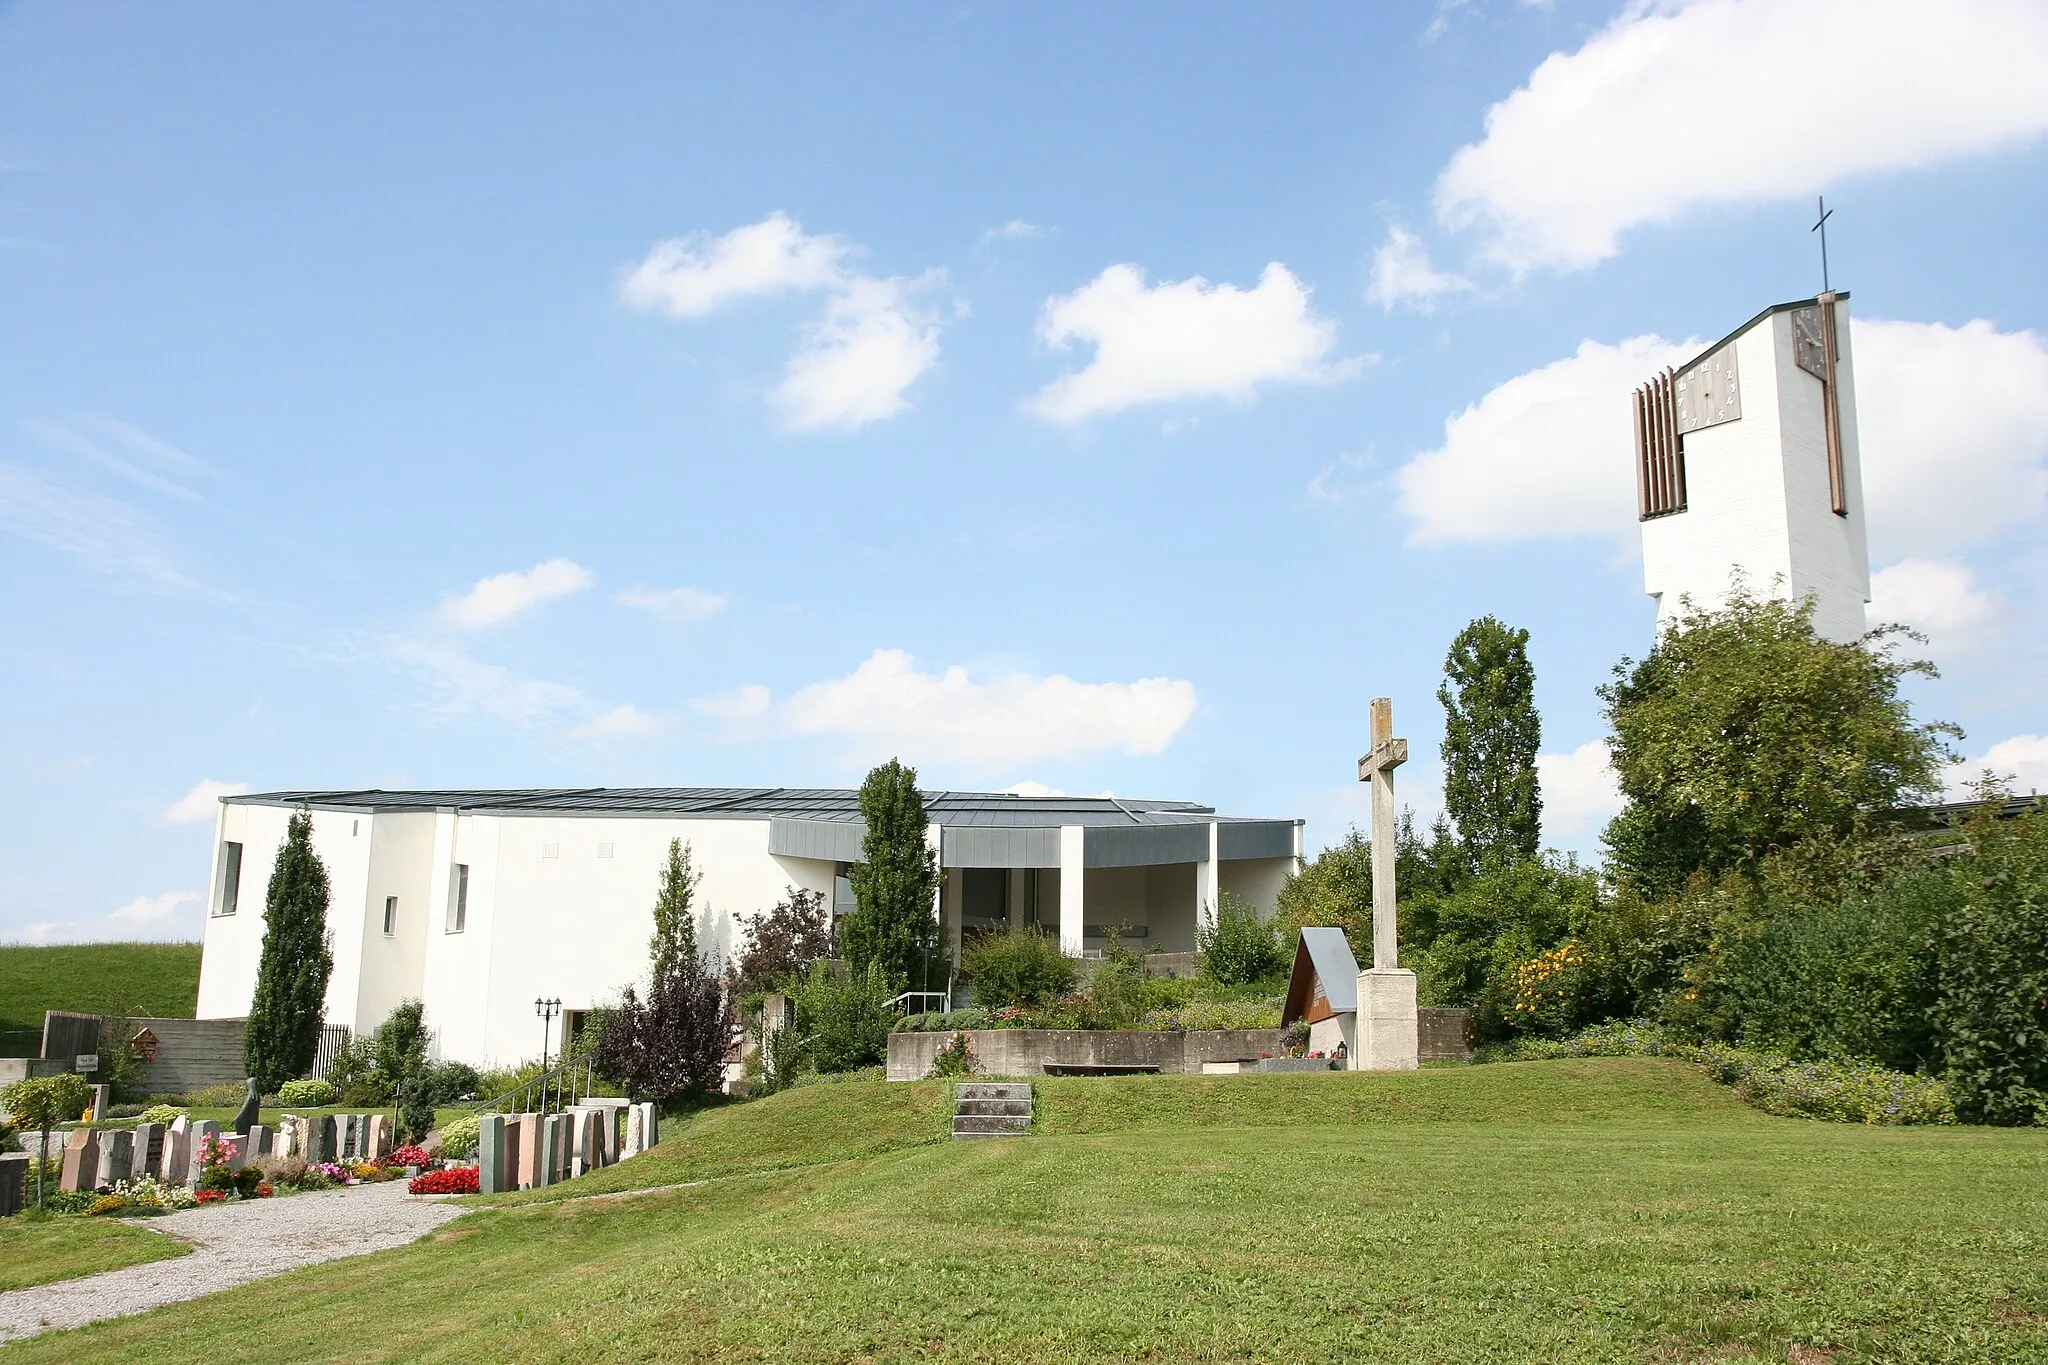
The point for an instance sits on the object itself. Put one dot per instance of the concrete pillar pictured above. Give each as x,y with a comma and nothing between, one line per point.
954,898
1073,887
1013,899
1209,884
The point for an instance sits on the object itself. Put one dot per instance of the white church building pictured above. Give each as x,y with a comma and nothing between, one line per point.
479,902
1747,459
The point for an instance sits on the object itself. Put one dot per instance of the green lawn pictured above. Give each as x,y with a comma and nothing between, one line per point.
1526,1212
159,980
43,1249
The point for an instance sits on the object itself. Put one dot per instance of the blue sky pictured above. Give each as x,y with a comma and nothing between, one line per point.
1101,397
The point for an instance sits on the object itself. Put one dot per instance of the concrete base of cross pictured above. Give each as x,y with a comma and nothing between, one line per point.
1388,1039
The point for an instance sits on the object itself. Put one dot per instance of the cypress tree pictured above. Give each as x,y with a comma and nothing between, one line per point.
283,1032
675,919
896,880
1491,734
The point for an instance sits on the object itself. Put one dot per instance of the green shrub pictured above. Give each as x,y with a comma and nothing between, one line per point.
353,1073
1024,967
226,1095
1216,1014
845,1020
1237,947
162,1113
305,1094
456,1080
1115,996
415,1104
399,1045
459,1138
1992,1012
940,1021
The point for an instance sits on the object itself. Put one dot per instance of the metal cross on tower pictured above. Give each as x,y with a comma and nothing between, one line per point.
1821,226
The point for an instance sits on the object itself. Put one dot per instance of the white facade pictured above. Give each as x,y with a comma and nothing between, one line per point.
1758,498
497,898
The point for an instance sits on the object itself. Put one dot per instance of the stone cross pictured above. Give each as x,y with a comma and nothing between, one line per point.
1377,767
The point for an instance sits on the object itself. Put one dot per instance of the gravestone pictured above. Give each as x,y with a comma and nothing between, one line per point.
527,1168
379,1141
117,1157
490,1154
102,1100
345,1138
182,1124
176,1155
291,1136
1389,1036
515,1150
650,1126
256,1142
245,1117
325,1139
81,1160
551,1147
147,1157
633,1134
196,1166
13,1183
582,1141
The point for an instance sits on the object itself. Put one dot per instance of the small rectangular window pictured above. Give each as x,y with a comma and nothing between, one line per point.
550,851
458,900
604,850
390,916
230,879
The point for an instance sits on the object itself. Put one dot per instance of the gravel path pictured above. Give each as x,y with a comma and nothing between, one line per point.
232,1245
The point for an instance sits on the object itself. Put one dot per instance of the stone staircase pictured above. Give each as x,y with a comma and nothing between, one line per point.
988,1109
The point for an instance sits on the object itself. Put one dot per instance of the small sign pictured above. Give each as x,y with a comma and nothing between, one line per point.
87,1061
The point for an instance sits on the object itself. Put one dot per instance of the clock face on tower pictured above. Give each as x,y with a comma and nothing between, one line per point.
1707,394
1809,347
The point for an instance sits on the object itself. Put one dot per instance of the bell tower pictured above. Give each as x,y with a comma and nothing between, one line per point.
1747,463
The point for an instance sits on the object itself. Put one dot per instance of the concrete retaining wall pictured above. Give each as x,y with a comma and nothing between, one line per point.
1027,1052
191,1053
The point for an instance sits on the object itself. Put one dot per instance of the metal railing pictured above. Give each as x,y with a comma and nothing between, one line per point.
560,1087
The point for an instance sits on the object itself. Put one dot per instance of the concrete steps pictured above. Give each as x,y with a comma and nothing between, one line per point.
987,1109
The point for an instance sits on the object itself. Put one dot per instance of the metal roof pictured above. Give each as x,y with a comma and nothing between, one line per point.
1840,295
995,810
1326,955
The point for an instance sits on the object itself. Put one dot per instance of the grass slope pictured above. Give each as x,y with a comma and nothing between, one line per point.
42,1250
1177,1230
160,980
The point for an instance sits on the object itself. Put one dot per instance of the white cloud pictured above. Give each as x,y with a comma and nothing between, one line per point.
470,687
201,803
1675,106
1402,273
1952,423
694,276
106,535
1183,339
503,596
1936,596
678,605
1343,482
2021,761
857,359
1580,794
170,917
1014,230
617,722
749,701
1547,453
1029,787
870,344
886,706
133,454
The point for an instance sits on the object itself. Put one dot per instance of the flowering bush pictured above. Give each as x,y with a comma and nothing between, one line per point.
409,1156
459,1137
1546,989
108,1203
332,1173
264,1189
215,1155
453,1180
149,1193
162,1113
211,1197
955,1058
305,1094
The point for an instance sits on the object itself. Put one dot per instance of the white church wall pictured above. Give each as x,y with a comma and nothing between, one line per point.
401,866
1758,496
1256,881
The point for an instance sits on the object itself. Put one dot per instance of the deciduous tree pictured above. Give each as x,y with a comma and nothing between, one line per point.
1491,735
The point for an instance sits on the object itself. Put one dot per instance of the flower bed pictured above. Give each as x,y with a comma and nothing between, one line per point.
452,1180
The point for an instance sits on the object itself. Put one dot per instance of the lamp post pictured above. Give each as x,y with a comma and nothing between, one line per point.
546,1010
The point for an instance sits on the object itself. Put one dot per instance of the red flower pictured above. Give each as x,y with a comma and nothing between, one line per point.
263,1190
453,1180
211,1197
